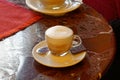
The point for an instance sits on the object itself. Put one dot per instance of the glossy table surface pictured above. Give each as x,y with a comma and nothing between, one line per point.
17,63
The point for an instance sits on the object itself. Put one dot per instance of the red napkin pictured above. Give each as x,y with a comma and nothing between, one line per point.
14,18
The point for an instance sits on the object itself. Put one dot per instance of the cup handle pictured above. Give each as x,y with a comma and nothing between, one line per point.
76,41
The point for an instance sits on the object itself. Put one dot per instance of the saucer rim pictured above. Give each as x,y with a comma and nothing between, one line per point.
53,12
40,62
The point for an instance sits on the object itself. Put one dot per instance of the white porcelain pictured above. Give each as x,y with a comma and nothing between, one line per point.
50,60
70,5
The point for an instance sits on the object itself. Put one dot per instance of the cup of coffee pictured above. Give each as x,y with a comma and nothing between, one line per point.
60,39
52,4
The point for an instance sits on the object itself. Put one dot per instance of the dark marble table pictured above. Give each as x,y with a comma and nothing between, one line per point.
17,63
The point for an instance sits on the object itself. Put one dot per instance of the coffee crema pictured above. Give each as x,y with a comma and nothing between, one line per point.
59,32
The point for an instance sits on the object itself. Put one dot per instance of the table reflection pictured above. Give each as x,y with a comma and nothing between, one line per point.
16,46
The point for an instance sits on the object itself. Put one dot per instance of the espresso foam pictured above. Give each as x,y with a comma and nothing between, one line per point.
59,32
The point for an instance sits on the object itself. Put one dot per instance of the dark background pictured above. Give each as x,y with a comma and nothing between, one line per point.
113,72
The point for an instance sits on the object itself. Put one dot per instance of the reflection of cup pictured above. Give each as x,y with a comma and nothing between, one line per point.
52,4
60,39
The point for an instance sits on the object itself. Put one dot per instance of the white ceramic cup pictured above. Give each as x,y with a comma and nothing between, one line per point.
52,4
60,39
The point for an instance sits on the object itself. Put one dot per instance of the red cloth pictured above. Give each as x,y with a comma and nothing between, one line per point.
110,9
117,2
14,18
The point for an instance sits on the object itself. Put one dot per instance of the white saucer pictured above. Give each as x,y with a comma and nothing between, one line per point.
50,60
70,5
